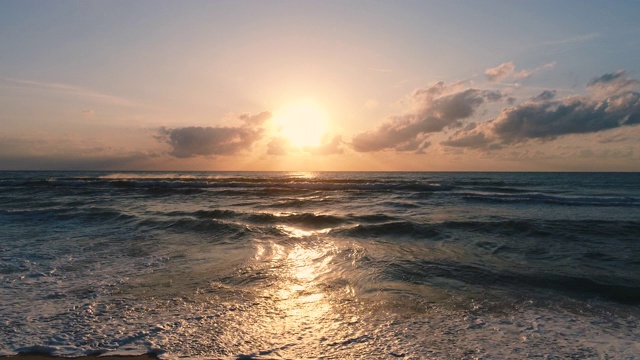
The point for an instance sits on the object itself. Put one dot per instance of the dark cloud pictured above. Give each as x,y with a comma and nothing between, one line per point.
612,105
472,140
437,107
613,83
335,146
551,119
196,141
545,96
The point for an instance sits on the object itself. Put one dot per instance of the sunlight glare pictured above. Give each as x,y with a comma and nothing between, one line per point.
302,124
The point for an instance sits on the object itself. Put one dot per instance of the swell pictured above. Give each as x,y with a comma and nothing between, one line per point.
559,229
617,289
226,184
221,231
583,231
65,214
390,230
477,191
539,198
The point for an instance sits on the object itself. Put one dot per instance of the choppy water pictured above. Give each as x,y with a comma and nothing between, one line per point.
330,265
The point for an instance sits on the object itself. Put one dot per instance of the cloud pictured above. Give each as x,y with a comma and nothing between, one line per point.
194,141
500,72
70,152
621,153
255,120
508,70
470,139
612,83
39,144
332,147
551,119
278,146
617,136
611,104
435,108
544,96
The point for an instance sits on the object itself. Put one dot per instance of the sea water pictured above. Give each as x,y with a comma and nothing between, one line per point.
328,265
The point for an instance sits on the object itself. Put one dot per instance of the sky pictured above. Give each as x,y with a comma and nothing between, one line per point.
320,85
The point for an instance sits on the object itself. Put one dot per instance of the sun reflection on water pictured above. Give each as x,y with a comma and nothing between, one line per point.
300,297
302,175
293,232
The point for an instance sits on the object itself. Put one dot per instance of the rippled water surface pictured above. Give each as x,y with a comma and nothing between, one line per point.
330,265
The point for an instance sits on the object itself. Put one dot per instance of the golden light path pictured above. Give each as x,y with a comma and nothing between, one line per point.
304,312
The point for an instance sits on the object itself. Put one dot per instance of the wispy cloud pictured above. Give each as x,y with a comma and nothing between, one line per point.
507,71
67,90
572,40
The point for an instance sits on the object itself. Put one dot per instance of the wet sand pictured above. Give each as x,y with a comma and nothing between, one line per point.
90,357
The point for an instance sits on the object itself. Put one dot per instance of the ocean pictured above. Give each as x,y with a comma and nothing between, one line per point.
321,265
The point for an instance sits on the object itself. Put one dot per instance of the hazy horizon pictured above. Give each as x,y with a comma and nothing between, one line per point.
320,86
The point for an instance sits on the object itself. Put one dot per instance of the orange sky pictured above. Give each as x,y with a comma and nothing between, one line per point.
417,86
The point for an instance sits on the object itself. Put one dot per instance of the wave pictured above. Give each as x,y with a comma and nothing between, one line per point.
92,214
390,230
527,197
222,231
303,220
483,190
168,182
578,231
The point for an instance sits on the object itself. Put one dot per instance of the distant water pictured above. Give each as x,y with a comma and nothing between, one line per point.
329,265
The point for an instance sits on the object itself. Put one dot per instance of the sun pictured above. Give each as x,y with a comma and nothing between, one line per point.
302,123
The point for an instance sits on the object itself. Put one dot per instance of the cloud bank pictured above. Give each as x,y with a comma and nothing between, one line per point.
446,111
611,103
438,107
70,152
194,141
